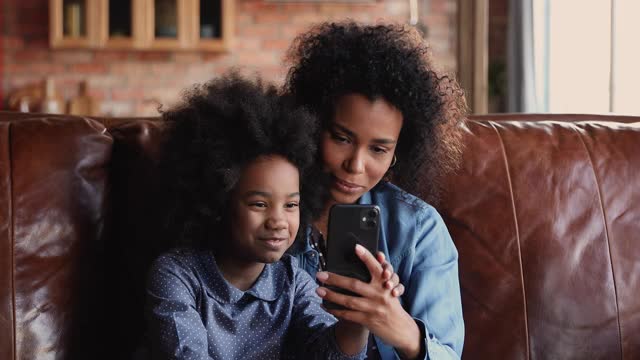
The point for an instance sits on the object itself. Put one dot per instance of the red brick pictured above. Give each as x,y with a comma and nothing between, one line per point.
72,56
248,44
272,18
156,56
255,59
335,8
43,69
308,19
255,6
278,45
29,55
91,68
214,57
164,69
187,57
105,81
127,94
18,82
12,42
290,31
127,68
297,8
98,94
259,31
110,56
244,19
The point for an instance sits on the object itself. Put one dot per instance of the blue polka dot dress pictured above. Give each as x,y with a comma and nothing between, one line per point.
194,313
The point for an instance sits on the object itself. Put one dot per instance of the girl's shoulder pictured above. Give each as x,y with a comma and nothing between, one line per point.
182,257
184,264
297,275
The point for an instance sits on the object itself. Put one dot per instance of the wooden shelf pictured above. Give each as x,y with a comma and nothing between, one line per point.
186,35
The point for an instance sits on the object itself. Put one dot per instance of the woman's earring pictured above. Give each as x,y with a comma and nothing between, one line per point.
393,161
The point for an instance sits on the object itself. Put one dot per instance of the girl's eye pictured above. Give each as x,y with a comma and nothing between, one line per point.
292,205
258,204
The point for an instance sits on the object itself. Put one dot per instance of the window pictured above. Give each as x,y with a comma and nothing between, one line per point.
585,56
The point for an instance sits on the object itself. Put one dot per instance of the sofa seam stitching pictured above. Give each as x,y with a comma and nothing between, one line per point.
515,218
608,237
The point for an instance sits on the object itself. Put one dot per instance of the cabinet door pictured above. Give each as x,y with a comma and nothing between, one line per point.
73,23
167,24
122,23
214,25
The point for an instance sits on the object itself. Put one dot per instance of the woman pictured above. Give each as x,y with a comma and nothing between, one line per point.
386,115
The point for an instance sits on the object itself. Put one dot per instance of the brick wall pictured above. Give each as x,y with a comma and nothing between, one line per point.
134,83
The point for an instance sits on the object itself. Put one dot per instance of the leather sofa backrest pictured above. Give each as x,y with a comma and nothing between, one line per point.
544,211
53,178
546,219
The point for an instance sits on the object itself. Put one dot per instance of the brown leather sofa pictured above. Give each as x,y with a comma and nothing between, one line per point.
545,212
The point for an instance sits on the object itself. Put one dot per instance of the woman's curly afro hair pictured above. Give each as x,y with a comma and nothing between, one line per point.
391,62
218,128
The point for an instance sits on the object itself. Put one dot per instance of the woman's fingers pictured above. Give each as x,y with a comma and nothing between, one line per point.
387,270
398,291
350,315
393,282
391,279
375,268
346,283
347,301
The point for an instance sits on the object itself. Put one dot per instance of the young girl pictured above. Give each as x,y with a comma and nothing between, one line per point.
237,153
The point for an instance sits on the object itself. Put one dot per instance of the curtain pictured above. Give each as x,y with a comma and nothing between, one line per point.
521,84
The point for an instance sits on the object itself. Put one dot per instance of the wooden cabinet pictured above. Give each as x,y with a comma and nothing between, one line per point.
142,24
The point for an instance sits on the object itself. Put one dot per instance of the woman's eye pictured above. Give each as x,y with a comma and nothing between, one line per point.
379,150
258,204
340,138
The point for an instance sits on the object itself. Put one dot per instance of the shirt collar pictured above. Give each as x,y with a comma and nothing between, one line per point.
268,287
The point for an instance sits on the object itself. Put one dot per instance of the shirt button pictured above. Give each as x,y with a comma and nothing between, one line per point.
313,255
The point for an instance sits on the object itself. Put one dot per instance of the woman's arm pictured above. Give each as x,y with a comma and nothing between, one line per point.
432,314
377,308
175,326
433,289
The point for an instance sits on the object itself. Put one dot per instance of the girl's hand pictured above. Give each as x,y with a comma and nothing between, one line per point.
377,309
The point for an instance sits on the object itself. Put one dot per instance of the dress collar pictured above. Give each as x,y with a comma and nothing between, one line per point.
268,287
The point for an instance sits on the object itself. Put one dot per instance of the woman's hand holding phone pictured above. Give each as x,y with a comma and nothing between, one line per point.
377,308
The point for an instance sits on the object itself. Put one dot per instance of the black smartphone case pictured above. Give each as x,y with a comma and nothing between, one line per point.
350,225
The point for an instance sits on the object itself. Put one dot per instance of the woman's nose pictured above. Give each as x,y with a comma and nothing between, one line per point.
355,163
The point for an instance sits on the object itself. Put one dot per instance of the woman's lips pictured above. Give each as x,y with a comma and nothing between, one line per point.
346,187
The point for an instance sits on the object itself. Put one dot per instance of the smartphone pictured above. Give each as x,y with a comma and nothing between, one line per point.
350,225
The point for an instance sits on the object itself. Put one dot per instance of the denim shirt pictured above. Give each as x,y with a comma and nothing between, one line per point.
416,242
194,313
